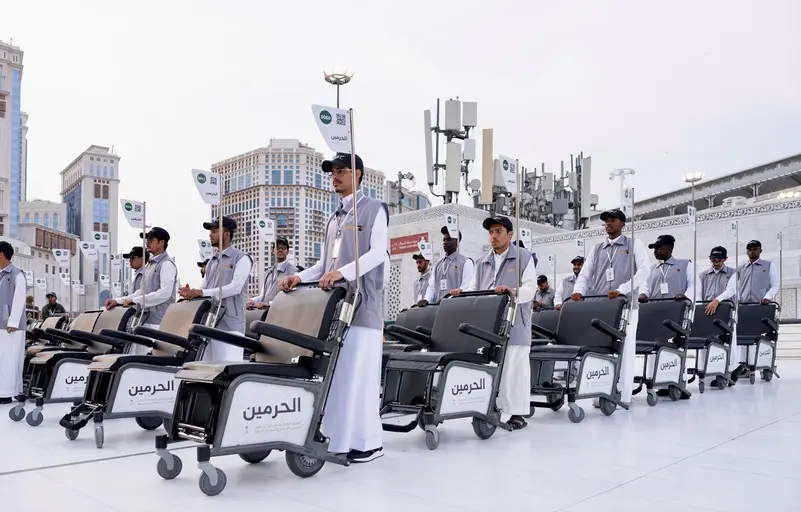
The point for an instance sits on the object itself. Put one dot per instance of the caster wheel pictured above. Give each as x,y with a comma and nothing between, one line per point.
432,437
576,414
303,465
167,473
255,457
752,377
652,399
483,429
99,436
16,413
608,407
212,490
34,418
767,375
149,423
556,407
720,382
674,393
701,387
72,435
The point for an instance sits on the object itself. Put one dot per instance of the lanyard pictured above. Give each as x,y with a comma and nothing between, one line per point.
664,268
341,218
611,254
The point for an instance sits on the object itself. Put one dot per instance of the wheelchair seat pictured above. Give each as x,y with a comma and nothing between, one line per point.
652,329
706,330
564,352
754,322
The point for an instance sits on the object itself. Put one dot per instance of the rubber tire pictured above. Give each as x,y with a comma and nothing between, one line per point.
254,457
483,429
752,378
205,484
148,423
34,420
721,382
302,466
70,434
767,375
652,399
576,417
166,474
608,407
99,436
701,387
432,438
15,417
674,393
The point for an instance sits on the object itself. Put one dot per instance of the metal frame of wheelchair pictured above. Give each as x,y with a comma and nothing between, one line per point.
716,346
763,347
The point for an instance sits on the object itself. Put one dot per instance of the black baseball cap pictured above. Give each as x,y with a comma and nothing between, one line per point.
577,259
662,240
419,256
342,160
542,279
157,233
136,252
613,214
718,252
201,263
282,240
227,223
51,294
498,220
445,231
753,243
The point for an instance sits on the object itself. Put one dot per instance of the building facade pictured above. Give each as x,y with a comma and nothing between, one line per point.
23,182
90,193
44,213
36,244
284,182
405,201
11,138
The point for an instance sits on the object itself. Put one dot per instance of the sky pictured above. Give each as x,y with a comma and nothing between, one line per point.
662,87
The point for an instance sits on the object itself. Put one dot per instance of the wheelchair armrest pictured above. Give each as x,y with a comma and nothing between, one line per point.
166,337
770,324
406,340
418,337
128,338
539,342
236,340
542,331
97,338
295,338
423,329
675,327
607,329
62,337
485,336
723,326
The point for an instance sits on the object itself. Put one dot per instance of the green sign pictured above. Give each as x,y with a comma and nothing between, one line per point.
128,207
505,165
325,117
201,178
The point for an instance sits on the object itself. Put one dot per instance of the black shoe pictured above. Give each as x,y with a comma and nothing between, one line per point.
662,392
517,422
358,457
5,400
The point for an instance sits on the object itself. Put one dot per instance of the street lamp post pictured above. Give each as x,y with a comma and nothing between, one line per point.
621,173
692,178
338,79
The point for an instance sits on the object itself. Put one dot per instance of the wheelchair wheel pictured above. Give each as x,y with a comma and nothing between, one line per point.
483,429
767,375
575,413
72,435
721,382
302,465
652,399
16,413
432,437
148,423
212,490
254,457
752,378
34,418
167,473
608,407
674,393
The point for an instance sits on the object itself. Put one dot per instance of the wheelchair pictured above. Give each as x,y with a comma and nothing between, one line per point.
758,330
710,338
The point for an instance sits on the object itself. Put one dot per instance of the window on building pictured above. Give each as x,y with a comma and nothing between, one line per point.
27,218
47,220
36,218
47,269
276,177
105,192
281,221
96,226
55,221
288,177
97,190
104,227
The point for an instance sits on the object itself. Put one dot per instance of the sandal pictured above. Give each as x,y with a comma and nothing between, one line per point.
517,422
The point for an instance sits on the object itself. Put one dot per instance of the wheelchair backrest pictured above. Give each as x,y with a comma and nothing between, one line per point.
254,315
749,318
420,317
547,319
178,319
651,327
575,322
703,325
400,319
86,321
309,310
116,319
486,312
54,322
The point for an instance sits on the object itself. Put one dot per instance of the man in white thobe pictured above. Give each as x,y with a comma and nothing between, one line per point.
719,283
607,271
352,419
272,281
12,325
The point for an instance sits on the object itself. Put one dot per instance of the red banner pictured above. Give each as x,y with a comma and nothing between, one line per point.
406,244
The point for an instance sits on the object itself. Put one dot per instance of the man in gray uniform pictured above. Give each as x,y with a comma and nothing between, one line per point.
352,419
272,280
452,272
719,283
235,267
497,270
607,271
566,290
12,324
421,284
137,262
670,278
544,296
159,282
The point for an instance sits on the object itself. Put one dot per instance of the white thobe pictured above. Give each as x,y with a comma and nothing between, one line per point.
736,354
352,420
627,364
514,390
217,350
12,345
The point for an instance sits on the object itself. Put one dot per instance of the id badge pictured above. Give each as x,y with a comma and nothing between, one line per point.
610,275
663,288
335,250
443,284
